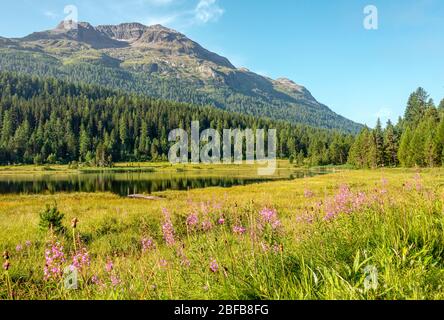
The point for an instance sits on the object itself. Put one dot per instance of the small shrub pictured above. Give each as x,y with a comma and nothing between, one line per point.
52,219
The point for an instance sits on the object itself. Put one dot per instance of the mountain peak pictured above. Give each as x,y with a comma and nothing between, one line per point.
140,58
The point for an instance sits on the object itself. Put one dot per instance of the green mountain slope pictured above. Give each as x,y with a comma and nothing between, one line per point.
162,63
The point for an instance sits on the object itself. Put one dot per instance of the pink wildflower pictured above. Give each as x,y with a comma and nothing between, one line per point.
115,280
163,263
192,221
95,280
148,244
214,267
81,259
207,225
109,266
167,229
54,260
269,216
239,230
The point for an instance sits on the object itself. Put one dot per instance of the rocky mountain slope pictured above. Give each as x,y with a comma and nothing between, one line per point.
162,63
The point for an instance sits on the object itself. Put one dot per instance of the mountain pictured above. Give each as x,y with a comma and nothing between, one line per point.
162,63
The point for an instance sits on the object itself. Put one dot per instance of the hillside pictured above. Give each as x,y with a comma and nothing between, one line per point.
162,63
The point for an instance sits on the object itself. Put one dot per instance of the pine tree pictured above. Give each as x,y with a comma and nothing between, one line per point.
84,144
391,145
416,106
379,144
404,155
417,146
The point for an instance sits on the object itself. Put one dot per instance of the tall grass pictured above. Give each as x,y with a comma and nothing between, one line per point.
355,235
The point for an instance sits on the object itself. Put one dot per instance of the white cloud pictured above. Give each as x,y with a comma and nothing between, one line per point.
208,10
204,12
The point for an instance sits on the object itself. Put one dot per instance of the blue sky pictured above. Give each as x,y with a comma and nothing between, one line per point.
321,44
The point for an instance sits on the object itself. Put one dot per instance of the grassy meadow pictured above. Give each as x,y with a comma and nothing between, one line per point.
376,234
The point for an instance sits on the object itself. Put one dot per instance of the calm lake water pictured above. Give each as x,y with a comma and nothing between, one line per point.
127,183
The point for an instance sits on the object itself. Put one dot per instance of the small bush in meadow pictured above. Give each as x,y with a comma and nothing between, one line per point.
52,219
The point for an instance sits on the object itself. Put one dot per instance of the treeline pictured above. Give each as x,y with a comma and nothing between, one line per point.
416,140
44,120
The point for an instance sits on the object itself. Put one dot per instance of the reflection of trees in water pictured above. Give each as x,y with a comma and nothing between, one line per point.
121,187
126,184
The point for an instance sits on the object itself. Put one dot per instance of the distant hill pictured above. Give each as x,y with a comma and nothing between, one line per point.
162,63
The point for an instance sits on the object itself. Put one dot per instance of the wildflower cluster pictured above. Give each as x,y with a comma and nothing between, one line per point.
269,217
344,202
54,261
114,278
239,230
81,260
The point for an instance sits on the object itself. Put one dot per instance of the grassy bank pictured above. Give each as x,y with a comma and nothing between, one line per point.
161,167
349,235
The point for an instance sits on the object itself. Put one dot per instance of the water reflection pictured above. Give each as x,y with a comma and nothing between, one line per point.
128,183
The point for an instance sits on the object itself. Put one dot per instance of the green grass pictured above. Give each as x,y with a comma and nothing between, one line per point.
398,231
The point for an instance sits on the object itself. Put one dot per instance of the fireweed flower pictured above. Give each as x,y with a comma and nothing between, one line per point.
167,229
19,248
81,260
269,216
221,221
95,280
54,260
148,244
28,243
346,202
239,230
115,280
109,266
207,225
163,263
184,261
192,221
214,266
418,182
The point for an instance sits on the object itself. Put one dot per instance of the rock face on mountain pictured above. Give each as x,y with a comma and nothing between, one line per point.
163,63
130,32
81,32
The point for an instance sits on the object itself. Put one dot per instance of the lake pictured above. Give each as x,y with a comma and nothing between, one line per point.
127,183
